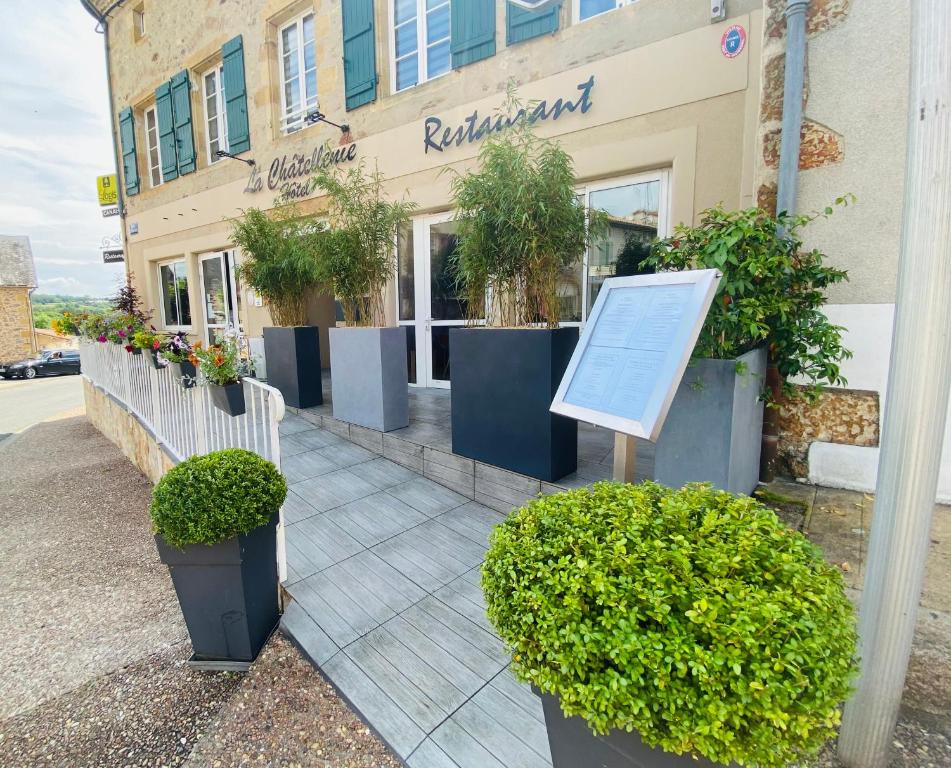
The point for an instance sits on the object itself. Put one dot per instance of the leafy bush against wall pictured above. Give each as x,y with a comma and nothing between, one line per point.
211,498
772,292
692,616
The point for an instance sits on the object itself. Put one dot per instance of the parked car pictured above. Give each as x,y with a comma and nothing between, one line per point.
51,362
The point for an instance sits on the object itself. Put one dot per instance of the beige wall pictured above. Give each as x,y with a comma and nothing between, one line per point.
16,324
664,97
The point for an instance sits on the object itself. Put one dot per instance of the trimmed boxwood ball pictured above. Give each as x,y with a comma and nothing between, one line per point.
211,498
692,616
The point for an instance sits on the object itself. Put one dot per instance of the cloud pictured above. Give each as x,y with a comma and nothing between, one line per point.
54,140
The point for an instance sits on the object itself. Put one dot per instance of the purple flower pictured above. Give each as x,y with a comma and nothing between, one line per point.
102,339
122,334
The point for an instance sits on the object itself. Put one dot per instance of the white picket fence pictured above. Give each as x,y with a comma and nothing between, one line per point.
185,421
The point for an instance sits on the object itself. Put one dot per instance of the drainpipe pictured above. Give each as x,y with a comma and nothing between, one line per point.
103,28
793,87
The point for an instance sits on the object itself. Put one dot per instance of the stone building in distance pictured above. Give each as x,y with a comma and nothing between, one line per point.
17,281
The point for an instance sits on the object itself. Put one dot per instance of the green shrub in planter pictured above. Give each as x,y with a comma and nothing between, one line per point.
207,499
692,616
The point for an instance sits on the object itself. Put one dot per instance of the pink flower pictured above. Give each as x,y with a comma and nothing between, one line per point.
156,344
122,334
102,338
128,347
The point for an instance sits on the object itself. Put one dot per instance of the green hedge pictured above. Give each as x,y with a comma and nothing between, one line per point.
692,616
211,498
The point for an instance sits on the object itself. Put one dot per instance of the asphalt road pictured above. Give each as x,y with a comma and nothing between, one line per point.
24,403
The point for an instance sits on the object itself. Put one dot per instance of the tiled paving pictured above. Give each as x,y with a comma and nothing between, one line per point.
383,568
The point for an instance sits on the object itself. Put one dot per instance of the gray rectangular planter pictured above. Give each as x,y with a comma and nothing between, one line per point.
292,356
368,377
713,431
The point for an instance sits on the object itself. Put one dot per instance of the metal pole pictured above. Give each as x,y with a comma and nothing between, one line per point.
793,86
918,387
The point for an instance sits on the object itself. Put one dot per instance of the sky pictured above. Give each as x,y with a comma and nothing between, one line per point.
54,141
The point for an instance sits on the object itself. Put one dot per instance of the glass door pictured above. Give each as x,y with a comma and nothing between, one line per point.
220,295
429,301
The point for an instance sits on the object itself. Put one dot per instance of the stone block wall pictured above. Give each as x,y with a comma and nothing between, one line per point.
16,324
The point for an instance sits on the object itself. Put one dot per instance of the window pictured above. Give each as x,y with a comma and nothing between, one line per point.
298,72
420,41
216,118
585,9
138,22
173,279
152,144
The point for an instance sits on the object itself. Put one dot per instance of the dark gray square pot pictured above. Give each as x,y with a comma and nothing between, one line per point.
292,356
573,745
229,398
368,377
227,592
713,431
185,373
503,382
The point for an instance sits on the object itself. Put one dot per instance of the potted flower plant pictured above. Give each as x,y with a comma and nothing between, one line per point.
767,313
223,368
279,261
520,225
149,342
176,349
215,519
671,628
368,356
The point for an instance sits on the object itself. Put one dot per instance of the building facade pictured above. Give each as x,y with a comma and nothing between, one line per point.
17,281
664,110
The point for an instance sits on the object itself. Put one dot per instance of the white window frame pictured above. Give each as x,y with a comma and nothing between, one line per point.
149,135
161,289
295,122
422,60
576,10
221,116
661,175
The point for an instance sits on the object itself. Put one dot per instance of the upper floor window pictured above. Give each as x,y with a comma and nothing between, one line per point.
420,41
585,9
153,148
298,72
216,117
138,22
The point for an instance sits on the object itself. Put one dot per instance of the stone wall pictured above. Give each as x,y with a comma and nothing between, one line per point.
137,443
16,324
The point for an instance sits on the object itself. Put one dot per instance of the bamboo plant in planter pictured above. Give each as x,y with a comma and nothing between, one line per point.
667,628
767,312
223,369
520,226
367,357
178,351
215,520
279,261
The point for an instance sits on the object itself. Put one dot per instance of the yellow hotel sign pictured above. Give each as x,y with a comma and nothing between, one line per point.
108,190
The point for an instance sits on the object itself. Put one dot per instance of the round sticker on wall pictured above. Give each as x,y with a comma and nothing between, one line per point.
733,41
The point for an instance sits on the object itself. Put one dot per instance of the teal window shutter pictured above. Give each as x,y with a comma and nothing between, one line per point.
166,131
236,96
359,53
522,25
472,29
130,170
182,117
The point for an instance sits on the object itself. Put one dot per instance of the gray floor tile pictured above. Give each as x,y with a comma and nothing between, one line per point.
290,446
334,489
492,725
464,595
315,439
391,722
337,613
472,520
296,509
430,554
375,518
304,466
316,644
322,541
374,581
346,454
519,694
463,748
384,473
291,424
428,755
428,497
517,720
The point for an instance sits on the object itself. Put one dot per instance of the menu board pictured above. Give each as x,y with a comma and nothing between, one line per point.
634,349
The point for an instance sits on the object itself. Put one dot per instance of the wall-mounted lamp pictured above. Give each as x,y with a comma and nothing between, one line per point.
319,117
222,153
